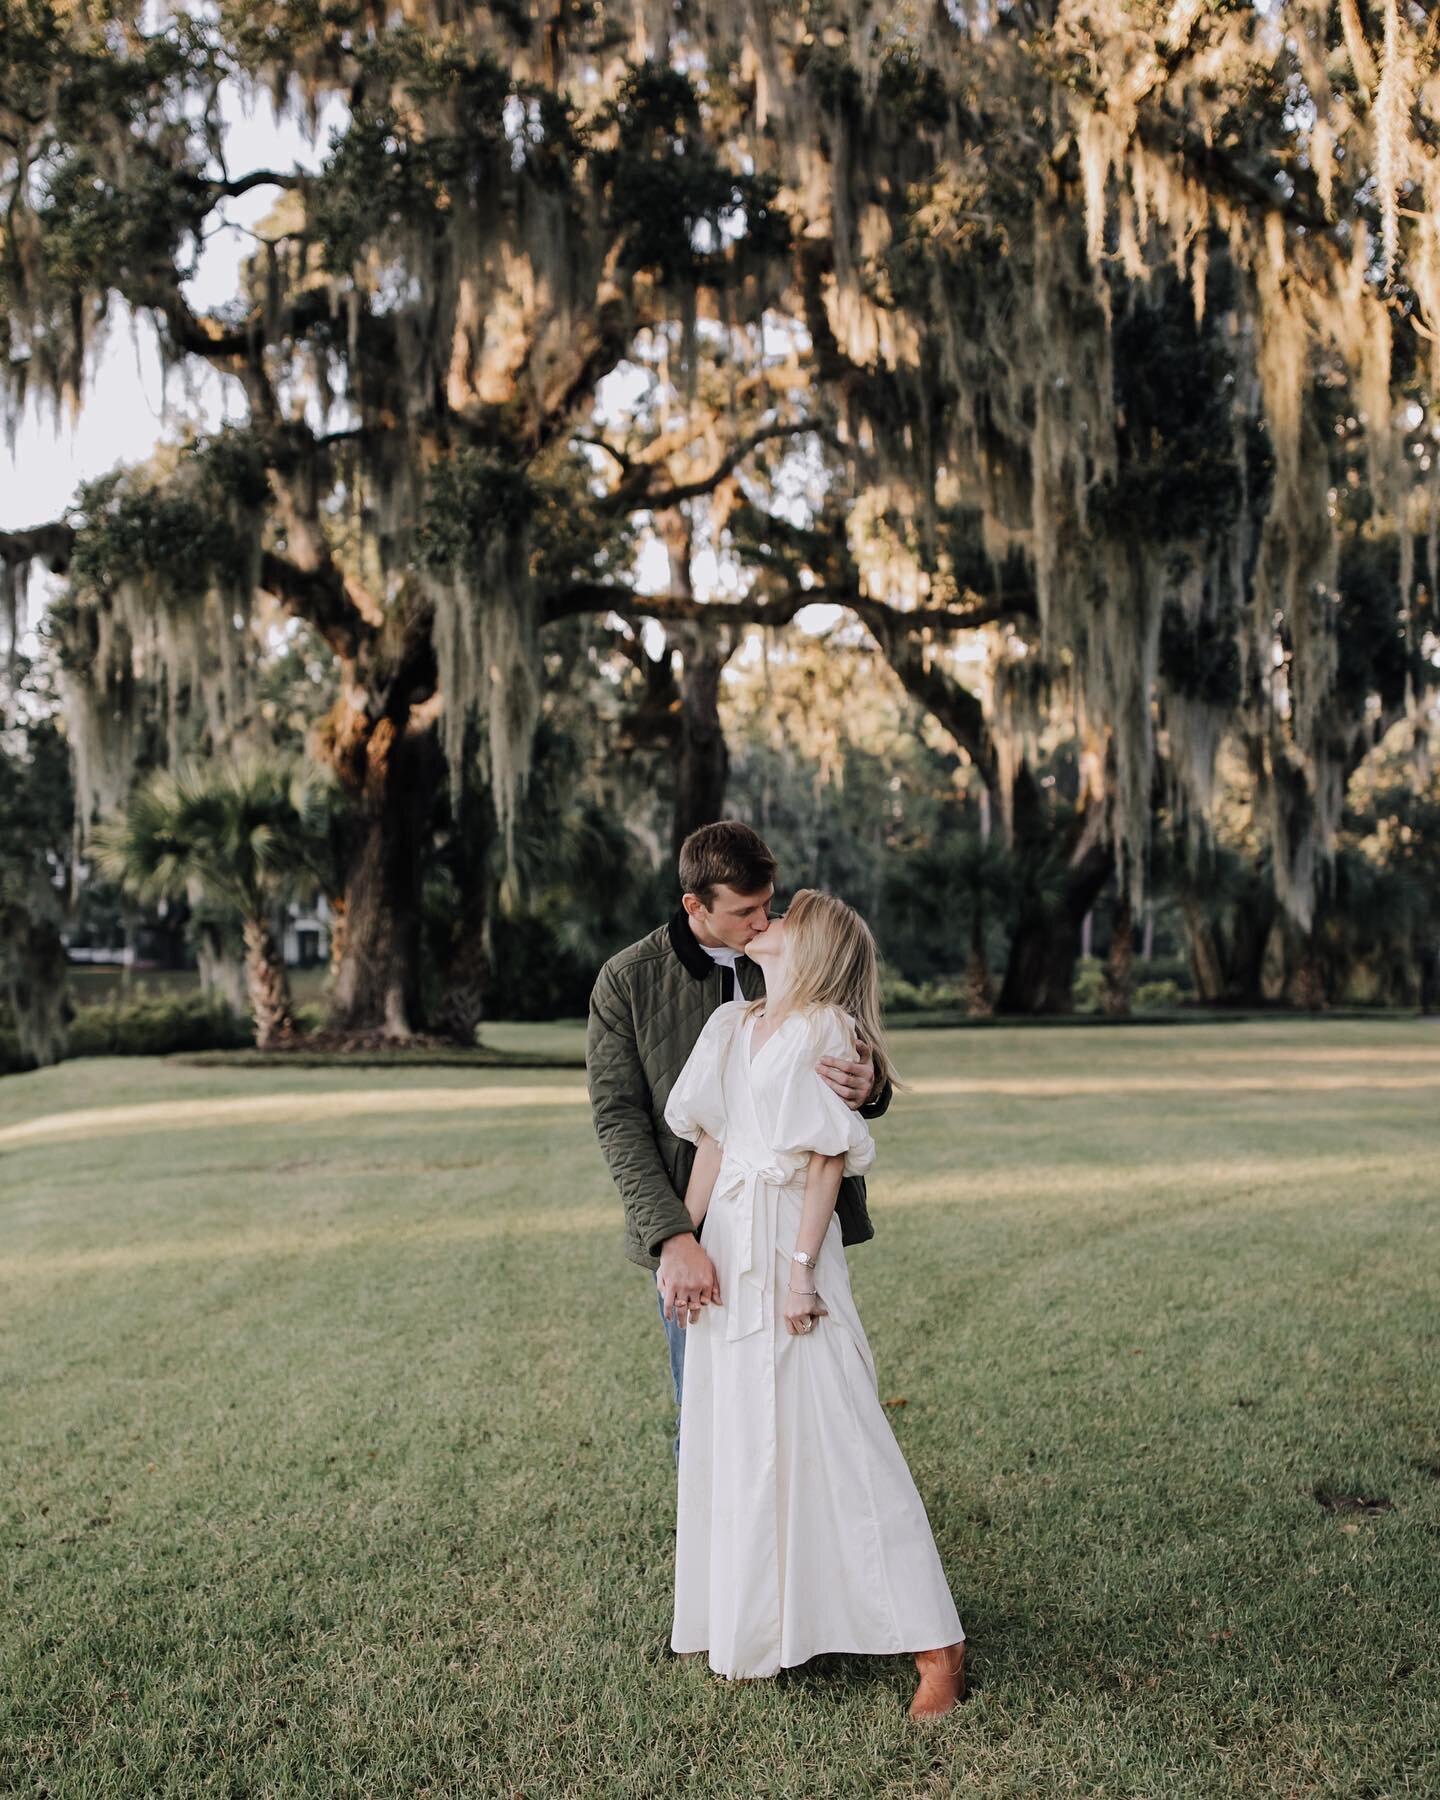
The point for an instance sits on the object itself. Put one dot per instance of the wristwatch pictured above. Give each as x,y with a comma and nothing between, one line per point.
804,1258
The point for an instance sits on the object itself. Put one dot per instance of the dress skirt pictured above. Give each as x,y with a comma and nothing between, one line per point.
799,1529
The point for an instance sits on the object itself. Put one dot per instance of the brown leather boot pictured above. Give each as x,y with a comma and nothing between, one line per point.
942,1681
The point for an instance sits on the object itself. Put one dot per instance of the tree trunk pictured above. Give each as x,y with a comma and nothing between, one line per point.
269,989
979,988
37,988
1040,970
377,986
1428,958
703,762
1309,983
1118,993
465,985
337,934
1293,972
1207,965
1248,940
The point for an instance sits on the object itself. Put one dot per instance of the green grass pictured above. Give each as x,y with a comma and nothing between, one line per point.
337,1432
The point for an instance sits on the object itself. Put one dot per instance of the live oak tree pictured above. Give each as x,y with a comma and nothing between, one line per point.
491,229
1107,330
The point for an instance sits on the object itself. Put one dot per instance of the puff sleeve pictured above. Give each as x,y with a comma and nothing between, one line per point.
810,1115
696,1103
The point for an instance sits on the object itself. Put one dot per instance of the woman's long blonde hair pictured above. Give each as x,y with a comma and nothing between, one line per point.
832,960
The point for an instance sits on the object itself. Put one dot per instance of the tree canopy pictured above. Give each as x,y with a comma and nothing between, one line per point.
1107,332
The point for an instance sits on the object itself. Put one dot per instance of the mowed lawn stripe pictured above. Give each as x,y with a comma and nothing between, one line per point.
283,1109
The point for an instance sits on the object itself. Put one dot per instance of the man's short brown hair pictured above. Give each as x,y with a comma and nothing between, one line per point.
725,854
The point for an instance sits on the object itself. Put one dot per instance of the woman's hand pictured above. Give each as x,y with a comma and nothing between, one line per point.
802,1309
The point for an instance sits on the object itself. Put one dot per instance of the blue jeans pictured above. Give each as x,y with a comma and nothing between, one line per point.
676,1337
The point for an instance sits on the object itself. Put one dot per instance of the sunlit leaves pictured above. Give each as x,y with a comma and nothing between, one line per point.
179,532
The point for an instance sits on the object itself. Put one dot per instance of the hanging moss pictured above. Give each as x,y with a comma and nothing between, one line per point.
474,544
157,610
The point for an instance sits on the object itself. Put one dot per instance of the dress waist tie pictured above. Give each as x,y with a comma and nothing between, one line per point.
745,1309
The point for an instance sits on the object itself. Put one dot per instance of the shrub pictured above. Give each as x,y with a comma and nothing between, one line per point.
1158,996
1165,968
900,996
157,1028
145,1027
1089,985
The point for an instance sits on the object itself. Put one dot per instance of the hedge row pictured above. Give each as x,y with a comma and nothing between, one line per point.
141,1028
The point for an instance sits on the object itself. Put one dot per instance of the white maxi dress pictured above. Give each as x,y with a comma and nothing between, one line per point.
799,1529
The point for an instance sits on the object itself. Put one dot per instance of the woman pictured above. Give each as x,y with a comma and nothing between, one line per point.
799,1529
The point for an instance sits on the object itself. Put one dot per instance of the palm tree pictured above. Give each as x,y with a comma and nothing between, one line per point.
234,832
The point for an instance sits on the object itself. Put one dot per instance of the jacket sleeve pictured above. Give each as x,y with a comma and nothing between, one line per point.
620,1106
879,1102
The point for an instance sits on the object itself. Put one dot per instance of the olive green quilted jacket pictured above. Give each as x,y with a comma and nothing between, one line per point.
648,1007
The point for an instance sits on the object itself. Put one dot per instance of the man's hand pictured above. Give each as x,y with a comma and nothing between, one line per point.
852,1081
686,1279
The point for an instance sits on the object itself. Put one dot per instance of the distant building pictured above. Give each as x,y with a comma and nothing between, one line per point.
303,932
305,935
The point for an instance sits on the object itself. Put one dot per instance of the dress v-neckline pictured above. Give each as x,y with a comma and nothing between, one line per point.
753,1055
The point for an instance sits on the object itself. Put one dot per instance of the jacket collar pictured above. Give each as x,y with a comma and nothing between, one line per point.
683,942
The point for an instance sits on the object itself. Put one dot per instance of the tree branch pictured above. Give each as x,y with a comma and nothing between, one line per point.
622,460
242,184
935,689
1214,169
597,349
781,608
221,342
321,598
51,544
634,493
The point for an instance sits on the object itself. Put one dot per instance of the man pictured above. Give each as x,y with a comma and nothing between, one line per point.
648,1007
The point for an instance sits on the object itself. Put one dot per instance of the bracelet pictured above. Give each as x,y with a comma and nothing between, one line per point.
795,1290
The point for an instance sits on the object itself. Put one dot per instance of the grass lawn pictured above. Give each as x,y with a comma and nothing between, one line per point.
336,1432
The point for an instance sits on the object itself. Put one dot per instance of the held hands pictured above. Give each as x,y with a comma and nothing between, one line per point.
686,1279
852,1081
